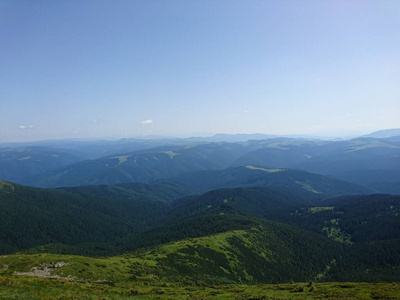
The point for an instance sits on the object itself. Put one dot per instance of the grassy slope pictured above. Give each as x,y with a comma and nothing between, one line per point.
41,289
269,252
120,283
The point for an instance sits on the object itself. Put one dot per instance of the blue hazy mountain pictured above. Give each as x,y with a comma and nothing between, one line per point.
386,133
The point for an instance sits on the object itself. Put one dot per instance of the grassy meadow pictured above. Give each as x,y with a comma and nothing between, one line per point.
23,287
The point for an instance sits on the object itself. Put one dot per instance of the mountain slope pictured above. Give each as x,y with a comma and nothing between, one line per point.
19,162
384,133
268,252
336,158
143,166
348,219
313,186
31,217
254,202
216,237
163,191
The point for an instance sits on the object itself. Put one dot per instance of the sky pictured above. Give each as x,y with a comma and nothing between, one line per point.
95,69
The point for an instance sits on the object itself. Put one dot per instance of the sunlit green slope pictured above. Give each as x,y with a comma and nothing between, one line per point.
267,252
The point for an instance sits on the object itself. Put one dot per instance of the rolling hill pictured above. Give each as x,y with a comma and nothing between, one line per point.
313,186
104,214
267,252
142,166
385,133
221,236
163,191
350,160
207,213
19,162
32,217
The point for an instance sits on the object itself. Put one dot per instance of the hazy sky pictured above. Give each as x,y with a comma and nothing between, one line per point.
78,69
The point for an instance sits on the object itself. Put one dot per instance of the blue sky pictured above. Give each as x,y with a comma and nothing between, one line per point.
89,69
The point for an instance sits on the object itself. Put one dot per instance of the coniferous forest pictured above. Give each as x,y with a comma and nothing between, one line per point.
227,226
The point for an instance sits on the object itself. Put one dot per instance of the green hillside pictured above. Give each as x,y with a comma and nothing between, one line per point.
221,236
248,201
42,288
100,220
31,217
267,252
352,219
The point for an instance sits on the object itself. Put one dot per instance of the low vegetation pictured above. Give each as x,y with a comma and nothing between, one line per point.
21,287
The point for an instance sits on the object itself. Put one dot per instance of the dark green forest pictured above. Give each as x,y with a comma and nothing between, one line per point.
204,213
323,238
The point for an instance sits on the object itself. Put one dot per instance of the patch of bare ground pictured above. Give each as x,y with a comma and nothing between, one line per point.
45,270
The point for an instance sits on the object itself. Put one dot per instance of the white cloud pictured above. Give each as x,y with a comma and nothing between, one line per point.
23,127
147,122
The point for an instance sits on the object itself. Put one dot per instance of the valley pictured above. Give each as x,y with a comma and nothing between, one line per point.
262,219
245,150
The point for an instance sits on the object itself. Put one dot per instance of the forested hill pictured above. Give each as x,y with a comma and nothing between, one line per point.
308,185
32,217
96,214
221,231
313,186
163,191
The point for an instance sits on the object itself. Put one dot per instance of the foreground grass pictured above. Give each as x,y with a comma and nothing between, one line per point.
138,276
22,287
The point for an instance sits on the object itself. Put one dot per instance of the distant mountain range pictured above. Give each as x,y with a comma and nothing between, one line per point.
384,133
373,162
187,211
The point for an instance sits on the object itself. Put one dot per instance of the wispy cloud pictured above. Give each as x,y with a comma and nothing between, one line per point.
24,127
147,122
239,114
